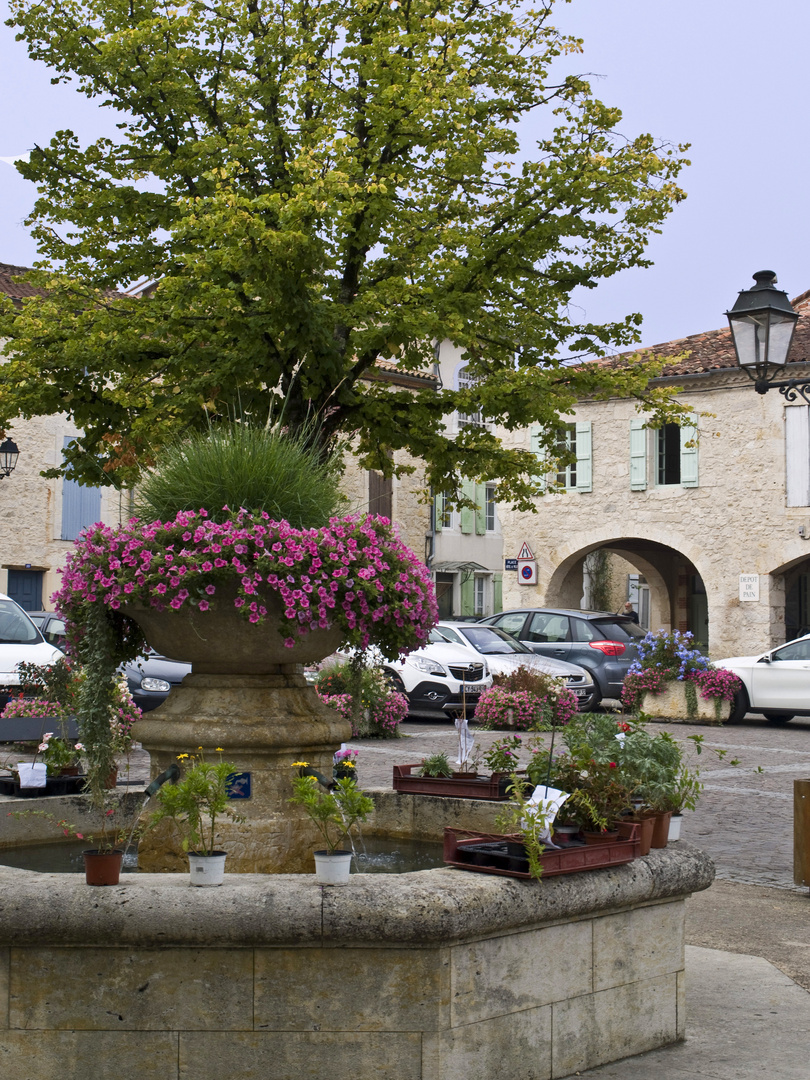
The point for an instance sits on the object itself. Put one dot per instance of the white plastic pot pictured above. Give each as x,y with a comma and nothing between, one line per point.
35,775
675,827
207,869
332,867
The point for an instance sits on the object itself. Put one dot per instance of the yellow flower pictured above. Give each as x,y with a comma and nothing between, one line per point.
219,749
181,756
300,765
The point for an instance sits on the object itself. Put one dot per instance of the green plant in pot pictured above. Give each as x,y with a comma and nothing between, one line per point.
502,756
436,765
335,813
527,819
195,804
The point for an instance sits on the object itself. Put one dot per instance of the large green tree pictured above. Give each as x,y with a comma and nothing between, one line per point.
315,186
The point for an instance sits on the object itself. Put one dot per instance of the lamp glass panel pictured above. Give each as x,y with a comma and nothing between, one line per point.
746,339
781,335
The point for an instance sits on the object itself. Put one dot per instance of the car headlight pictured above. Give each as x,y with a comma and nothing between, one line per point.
148,683
430,667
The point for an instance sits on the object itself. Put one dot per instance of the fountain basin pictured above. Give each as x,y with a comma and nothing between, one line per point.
434,975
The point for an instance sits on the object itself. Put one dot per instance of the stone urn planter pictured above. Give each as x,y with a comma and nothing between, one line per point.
672,705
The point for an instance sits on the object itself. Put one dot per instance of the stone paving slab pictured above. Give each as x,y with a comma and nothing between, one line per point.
745,1020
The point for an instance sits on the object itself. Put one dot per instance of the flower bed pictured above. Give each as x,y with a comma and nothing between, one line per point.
501,708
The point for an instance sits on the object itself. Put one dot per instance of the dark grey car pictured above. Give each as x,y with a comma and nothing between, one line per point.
602,643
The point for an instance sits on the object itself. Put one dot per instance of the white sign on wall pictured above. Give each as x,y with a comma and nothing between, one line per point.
749,586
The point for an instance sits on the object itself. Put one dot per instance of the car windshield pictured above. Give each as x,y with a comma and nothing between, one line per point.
15,626
491,641
437,637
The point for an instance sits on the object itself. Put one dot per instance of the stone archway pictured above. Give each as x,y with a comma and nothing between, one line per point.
671,575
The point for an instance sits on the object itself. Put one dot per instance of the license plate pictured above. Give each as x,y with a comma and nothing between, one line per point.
581,693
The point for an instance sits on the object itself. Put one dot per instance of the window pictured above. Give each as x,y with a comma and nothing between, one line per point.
490,512
577,437
548,627
566,444
797,455
675,455
467,381
480,595
81,505
444,513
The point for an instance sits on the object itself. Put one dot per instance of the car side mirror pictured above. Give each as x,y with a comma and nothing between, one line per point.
764,659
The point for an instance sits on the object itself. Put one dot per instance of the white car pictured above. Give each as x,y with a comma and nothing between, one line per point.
503,654
440,679
20,642
775,683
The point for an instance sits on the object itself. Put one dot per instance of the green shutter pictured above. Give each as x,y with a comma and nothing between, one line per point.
467,595
539,451
497,593
480,509
584,456
689,456
638,455
467,515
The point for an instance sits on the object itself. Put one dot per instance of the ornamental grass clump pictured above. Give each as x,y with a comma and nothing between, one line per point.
242,465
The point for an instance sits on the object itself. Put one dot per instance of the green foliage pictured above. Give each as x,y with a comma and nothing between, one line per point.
313,189
57,682
435,765
243,466
597,564
334,813
530,820
196,802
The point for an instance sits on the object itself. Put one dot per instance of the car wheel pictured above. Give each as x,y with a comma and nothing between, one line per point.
596,700
778,717
739,706
394,681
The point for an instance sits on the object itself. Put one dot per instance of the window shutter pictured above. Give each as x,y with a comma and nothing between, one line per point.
689,455
81,505
638,455
584,457
797,455
539,452
497,593
467,515
380,494
480,509
467,595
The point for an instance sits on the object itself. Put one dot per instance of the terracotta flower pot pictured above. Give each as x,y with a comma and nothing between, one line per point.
102,867
645,828
660,831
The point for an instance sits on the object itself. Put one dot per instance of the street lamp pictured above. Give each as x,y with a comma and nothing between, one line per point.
8,458
762,322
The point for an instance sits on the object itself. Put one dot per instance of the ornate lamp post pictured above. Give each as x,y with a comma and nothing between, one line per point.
762,322
8,458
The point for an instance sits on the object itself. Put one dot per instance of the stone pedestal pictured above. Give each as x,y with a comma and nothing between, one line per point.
263,723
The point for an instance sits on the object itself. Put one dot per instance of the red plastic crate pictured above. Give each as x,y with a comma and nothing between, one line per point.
473,787
568,860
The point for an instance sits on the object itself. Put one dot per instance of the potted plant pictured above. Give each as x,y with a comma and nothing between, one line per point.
502,756
195,803
435,765
335,813
344,764
530,820
525,699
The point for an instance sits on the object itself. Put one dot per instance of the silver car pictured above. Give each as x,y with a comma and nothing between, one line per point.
504,654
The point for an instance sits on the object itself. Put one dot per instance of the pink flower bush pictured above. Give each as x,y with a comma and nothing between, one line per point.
381,717
500,707
355,573
717,683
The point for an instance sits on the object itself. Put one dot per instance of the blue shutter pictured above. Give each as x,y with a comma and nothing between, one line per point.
638,455
81,505
584,456
689,455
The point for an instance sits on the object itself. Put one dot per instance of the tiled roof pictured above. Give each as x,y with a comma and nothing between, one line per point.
713,350
16,289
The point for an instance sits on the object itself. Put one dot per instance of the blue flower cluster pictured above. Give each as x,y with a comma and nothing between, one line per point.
670,652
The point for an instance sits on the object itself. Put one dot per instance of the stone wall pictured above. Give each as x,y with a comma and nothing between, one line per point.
735,521
437,975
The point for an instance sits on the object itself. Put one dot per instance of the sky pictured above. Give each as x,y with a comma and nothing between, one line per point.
730,78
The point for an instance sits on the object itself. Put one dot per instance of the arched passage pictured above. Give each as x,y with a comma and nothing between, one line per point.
678,597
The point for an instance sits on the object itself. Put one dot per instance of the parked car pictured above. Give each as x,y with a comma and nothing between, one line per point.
775,683
439,679
20,641
151,677
503,654
51,626
602,643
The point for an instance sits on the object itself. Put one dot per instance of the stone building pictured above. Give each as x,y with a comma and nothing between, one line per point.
707,526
